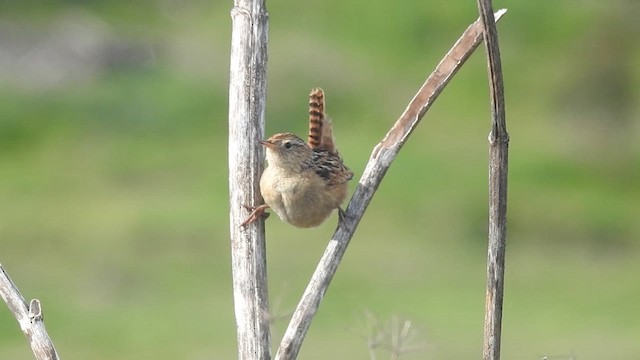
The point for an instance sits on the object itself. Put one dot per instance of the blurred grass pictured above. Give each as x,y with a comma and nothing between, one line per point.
114,195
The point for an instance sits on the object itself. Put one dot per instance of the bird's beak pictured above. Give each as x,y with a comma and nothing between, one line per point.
267,143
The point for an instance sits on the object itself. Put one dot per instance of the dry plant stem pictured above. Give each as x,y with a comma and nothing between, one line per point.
247,98
29,317
498,161
383,155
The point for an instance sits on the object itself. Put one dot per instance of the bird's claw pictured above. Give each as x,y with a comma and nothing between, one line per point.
257,212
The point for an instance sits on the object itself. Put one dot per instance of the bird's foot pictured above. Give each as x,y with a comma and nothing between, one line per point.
256,213
342,218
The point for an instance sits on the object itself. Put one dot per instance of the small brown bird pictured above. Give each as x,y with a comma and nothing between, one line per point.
304,182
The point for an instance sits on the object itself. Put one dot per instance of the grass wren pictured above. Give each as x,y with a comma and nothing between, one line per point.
304,182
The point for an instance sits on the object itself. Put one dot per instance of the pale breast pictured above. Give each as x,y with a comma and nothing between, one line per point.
303,199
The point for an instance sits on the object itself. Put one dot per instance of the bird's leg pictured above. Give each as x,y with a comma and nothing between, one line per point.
342,217
256,213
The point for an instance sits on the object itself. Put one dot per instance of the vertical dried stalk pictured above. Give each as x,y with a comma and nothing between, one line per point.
383,155
29,317
498,168
247,98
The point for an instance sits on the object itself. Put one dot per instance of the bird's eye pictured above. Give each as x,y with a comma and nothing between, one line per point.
287,145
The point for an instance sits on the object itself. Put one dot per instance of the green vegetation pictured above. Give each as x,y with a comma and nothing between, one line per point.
113,199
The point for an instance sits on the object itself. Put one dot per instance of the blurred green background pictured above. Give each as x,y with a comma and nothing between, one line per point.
113,187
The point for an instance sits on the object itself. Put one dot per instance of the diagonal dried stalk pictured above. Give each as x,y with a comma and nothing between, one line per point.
29,317
383,155
498,170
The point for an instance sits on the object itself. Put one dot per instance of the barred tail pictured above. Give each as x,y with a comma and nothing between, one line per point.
316,117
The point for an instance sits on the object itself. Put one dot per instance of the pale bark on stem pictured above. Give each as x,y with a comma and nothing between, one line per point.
247,100
29,317
498,169
381,158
